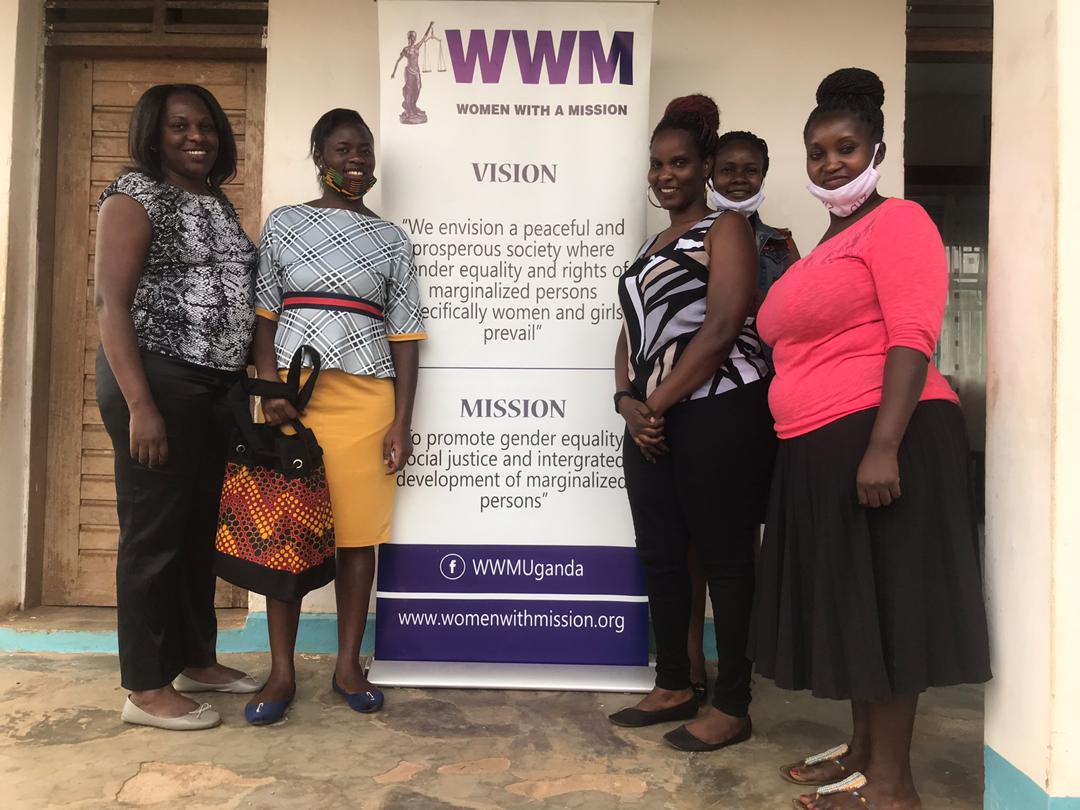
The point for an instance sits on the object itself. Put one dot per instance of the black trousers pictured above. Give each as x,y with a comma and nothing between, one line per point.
709,490
168,517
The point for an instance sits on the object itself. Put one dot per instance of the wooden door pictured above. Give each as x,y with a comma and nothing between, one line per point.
95,100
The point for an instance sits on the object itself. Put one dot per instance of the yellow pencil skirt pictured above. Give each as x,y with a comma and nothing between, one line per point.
350,415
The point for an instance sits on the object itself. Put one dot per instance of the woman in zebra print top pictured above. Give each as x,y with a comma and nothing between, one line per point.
691,383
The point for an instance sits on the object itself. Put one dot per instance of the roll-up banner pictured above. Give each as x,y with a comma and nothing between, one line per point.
513,141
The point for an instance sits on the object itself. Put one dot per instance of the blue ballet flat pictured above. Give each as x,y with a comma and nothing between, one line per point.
365,702
267,712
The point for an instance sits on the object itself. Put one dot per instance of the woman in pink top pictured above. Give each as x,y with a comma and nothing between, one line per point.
869,585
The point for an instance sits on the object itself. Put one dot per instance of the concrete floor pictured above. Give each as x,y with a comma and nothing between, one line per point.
62,745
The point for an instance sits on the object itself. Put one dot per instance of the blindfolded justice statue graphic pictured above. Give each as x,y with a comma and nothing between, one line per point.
411,53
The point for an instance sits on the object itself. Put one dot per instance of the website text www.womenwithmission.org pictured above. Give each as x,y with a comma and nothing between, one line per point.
521,618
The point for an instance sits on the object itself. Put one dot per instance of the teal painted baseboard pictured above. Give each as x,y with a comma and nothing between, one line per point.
1009,788
317,634
57,641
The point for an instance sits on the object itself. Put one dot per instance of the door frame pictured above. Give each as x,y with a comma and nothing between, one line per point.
47,573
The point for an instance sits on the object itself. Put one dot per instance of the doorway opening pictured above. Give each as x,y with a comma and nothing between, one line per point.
947,160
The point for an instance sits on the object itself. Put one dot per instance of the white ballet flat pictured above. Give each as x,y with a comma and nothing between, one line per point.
241,686
202,718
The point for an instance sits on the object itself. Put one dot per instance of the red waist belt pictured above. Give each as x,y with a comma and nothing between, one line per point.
332,301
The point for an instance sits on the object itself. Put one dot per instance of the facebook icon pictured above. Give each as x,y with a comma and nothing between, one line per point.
452,566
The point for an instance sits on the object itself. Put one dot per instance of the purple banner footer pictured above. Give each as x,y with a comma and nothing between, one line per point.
511,604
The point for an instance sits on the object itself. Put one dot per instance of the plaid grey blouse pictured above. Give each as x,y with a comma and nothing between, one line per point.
341,282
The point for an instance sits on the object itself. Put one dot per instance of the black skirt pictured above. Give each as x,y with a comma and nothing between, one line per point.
865,604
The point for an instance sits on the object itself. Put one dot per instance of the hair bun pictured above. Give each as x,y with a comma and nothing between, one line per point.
850,82
695,104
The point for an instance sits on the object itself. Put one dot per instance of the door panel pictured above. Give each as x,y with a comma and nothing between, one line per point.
95,101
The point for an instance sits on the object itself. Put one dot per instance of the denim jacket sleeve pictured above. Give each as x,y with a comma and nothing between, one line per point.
776,253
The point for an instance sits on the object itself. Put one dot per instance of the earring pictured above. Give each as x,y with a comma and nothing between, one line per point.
648,196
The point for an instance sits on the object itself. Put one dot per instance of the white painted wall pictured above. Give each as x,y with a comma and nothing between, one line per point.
304,80
1033,394
1019,386
20,59
1065,641
760,61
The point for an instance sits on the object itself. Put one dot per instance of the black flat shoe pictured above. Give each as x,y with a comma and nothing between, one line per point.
701,692
636,718
683,740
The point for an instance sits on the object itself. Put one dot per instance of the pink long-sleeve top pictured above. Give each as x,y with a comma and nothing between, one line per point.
834,315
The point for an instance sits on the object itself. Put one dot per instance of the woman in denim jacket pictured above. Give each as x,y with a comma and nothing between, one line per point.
742,161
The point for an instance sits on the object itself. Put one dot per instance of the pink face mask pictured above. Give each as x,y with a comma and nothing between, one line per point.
847,199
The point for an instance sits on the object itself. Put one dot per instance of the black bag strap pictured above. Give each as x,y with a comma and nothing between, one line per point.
303,395
240,404
290,389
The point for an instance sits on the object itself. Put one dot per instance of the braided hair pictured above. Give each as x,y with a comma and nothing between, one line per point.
698,116
741,136
855,92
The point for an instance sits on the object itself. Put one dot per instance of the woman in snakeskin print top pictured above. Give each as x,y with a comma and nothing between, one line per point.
174,289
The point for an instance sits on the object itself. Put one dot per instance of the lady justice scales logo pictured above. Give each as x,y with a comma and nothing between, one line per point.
416,53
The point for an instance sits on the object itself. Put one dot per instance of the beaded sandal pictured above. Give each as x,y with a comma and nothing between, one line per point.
833,755
850,785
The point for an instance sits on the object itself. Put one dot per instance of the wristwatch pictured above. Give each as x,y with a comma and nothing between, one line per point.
620,394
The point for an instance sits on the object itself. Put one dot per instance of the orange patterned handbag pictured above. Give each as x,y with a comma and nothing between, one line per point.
275,531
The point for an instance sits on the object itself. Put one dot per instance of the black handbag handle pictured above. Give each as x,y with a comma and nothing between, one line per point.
303,395
290,390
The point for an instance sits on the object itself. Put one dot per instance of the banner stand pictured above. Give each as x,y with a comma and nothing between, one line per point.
471,675
513,141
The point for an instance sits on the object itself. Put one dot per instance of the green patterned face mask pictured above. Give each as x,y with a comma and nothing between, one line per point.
351,188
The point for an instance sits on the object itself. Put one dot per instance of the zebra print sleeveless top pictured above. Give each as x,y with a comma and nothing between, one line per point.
663,302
